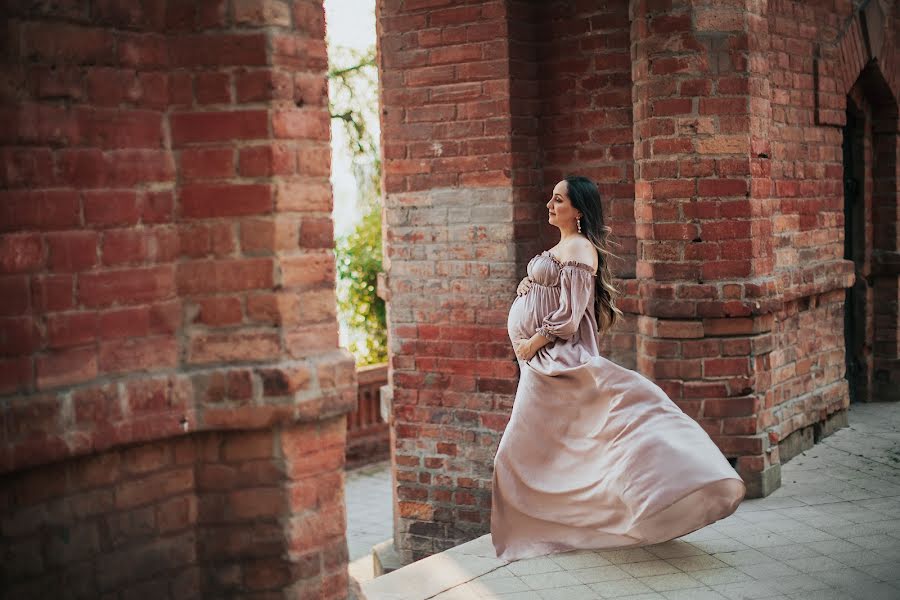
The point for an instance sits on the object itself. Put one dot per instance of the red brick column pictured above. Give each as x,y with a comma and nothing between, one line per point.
167,284
455,142
702,213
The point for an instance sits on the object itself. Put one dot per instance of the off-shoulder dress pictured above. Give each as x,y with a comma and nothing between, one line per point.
595,455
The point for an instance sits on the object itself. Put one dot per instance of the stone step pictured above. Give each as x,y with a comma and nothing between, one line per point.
384,558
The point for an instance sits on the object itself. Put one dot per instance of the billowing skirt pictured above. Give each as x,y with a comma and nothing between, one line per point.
597,456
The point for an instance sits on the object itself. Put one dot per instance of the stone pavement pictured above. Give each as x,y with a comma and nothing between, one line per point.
830,532
369,515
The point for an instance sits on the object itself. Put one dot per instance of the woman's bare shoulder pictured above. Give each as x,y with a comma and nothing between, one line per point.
581,250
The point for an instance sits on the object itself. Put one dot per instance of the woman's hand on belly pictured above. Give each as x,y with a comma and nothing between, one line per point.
523,348
524,286
528,347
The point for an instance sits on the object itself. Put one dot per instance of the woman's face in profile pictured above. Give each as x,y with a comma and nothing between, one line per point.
562,213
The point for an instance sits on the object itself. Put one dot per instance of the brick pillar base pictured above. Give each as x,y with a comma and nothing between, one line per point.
210,515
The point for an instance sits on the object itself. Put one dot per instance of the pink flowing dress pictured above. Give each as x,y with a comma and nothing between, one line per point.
595,455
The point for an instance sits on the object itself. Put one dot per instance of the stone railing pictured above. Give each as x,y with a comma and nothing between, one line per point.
368,437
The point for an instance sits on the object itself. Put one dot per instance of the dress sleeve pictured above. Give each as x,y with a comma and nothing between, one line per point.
575,285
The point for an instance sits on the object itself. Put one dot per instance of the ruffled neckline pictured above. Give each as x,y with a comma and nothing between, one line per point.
568,263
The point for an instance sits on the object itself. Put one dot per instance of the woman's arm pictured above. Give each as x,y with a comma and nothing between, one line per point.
576,284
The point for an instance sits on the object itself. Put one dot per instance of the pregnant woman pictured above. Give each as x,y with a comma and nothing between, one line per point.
595,455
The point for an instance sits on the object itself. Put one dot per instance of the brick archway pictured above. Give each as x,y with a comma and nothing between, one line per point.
734,277
874,347
858,73
866,45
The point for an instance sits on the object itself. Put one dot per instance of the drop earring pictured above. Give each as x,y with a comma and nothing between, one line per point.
578,220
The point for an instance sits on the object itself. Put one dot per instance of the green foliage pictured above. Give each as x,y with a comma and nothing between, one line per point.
358,264
353,101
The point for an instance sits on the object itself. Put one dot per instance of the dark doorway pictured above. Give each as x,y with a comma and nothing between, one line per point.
854,250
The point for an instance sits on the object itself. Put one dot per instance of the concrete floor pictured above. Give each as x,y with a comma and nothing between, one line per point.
369,515
830,532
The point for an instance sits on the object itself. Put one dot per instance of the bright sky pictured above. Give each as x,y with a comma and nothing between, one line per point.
349,23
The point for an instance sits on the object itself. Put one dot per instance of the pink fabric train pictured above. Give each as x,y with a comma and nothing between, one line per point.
595,455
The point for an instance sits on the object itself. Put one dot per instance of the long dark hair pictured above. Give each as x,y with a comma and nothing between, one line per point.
584,195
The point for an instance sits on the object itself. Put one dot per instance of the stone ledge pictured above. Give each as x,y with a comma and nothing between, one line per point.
741,298
385,558
43,428
439,572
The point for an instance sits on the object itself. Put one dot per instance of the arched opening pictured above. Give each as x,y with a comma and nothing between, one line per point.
870,230
857,351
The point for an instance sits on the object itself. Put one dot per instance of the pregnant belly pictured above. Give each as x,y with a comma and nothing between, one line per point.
525,316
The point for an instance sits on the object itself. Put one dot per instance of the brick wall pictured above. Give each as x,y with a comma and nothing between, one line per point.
808,364
808,356
811,98
454,125
586,129
167,269
730,212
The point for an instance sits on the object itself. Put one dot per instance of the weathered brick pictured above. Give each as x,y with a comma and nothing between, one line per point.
274,309
111,208
157,207
131,286
91,119
71,251
199,240
154,396
260,85
304,124
142,50
245,345
154,487
63,43
223,200
212,88
206,163
140,321
256,503
219,310
261,161
71,329
284,381
262,13
218,49
66,367
133,354
266,236
218,126
21,253
14,295
119,129
199,277
53,292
